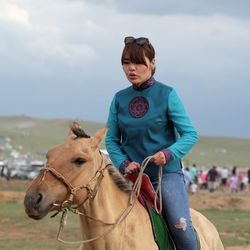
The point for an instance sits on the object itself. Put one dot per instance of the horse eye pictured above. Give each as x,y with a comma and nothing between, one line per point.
79,161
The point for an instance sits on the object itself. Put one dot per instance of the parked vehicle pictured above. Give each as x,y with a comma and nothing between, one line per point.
27,171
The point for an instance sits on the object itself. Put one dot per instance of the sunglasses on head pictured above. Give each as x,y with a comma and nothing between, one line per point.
140,41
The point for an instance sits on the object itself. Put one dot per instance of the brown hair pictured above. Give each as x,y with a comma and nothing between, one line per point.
136,53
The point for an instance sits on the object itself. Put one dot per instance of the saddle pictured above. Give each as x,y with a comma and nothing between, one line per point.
147,198
147,193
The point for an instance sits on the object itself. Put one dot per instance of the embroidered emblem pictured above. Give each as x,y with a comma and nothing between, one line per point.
138,107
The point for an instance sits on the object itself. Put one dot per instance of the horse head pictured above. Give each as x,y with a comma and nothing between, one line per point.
71,170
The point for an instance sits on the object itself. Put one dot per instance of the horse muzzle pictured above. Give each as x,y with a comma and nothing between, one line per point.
35,207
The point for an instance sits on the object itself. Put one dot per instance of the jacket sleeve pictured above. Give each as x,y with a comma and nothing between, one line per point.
188,136
113,140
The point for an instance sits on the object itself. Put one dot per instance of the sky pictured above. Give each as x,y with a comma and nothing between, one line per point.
61,58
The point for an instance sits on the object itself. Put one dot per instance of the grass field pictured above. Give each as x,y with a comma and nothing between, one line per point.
233,226
38,135
27,234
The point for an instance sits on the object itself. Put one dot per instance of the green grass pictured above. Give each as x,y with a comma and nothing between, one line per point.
32,245
17,231
233,226
205,153
39,135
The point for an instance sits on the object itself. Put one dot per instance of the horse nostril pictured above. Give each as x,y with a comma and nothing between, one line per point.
33,200
39,198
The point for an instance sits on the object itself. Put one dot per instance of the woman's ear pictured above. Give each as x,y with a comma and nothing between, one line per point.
153,64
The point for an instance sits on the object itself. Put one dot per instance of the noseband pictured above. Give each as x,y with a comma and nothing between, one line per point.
91,187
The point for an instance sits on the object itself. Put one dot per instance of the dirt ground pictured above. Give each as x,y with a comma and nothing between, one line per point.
6,187
239,248
201,200
220,201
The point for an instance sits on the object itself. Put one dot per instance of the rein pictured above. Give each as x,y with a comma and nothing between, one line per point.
91,193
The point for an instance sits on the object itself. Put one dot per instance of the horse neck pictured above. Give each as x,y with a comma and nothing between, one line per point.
107,206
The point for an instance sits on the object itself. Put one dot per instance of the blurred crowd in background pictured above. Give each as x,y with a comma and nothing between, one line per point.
211,179
217,179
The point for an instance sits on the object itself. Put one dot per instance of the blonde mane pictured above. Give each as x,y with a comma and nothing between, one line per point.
123,183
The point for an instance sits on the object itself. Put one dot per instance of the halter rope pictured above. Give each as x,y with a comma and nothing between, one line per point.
68,206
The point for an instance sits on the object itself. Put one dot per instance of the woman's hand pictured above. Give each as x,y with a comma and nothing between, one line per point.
132,168
159,159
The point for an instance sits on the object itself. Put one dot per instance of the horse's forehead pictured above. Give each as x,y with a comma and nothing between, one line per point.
70,147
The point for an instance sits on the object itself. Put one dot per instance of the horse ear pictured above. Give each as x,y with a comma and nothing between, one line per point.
74,125
70,133
99,136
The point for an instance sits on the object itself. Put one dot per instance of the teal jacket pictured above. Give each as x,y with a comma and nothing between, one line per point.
147,120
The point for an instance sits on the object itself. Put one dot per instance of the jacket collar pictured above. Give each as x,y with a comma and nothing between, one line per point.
145,85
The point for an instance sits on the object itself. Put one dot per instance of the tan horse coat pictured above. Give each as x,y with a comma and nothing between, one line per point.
208,235
133,233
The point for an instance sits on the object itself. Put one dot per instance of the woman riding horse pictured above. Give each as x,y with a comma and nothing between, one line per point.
143,120
78,178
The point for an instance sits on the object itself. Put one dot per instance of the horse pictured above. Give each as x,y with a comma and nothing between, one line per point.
77,173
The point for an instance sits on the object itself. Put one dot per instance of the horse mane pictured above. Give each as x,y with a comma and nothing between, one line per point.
78,131
123,183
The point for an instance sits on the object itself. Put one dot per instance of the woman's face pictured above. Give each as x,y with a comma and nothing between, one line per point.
138,73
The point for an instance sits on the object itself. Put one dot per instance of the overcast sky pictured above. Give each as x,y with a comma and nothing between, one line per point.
61,58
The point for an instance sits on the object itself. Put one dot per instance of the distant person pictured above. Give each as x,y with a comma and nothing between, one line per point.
248,176
211,178
193,187
5,172
224,178
193,172
245,183
2,171
203,177
233,183
235,171
187,177
241,178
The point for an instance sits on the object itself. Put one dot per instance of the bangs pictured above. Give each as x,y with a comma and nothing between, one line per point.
134,53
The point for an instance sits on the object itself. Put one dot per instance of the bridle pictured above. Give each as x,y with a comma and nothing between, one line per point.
68,202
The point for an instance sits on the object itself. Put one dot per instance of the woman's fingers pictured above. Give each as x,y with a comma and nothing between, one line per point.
159,159
133,167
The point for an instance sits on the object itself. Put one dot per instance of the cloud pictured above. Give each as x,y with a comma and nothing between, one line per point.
10,12
179,7
75,34
43,39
